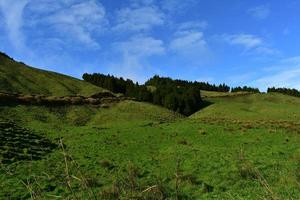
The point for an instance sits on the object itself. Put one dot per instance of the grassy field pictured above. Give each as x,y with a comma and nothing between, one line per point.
253,107
244,147
17,77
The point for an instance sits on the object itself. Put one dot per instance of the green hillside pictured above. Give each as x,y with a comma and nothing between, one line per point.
244,147
125,112
238,147
252,107
20,78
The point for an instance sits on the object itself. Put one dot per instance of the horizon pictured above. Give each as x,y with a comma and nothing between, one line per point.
242,43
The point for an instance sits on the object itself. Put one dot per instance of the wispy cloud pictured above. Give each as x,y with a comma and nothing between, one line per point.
139,3
70,20
134,55
138,18
250,43
192,25
13,20
285,73
177,6
73,21
246,40
141,46
188,42
260,12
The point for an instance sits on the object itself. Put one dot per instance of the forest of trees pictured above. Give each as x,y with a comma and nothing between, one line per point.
180,97
287,91
156,81
245,89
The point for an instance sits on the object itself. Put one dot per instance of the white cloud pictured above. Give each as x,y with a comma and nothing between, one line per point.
292,60
13,18
177,6
192,25
286,73
80,20
260,12
250,43
246,40
71,20
263,50
141,46
134,53
188,42
48,6
138,19
139,3
189,38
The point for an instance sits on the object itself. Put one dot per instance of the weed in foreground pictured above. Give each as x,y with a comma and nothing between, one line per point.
247,170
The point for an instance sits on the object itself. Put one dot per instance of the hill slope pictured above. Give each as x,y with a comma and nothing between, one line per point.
218,161
272,106
122,114
20,78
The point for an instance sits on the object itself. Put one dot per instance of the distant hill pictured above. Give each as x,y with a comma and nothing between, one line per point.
272,106
19,78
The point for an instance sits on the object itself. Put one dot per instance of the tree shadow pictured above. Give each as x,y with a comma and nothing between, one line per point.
205,104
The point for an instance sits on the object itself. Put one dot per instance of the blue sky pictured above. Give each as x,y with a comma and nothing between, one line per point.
239,42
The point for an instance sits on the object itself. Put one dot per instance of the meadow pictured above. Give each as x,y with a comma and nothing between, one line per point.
241,147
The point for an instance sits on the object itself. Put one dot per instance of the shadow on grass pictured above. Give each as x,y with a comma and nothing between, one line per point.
205,104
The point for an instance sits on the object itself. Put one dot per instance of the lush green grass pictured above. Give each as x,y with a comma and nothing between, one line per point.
253,107
17,77
237,148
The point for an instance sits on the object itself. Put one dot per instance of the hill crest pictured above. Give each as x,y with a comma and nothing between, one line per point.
17,77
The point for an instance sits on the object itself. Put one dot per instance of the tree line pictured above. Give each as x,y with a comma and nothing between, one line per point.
156,80
178,95
245,89
4,56
182,98
287,91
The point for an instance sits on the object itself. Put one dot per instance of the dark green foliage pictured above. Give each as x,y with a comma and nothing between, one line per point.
245,89
116,85
180,96
156,81
288,91
5,56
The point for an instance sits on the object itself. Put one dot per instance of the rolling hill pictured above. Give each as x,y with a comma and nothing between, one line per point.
252,107
17,77
132,146
238,147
